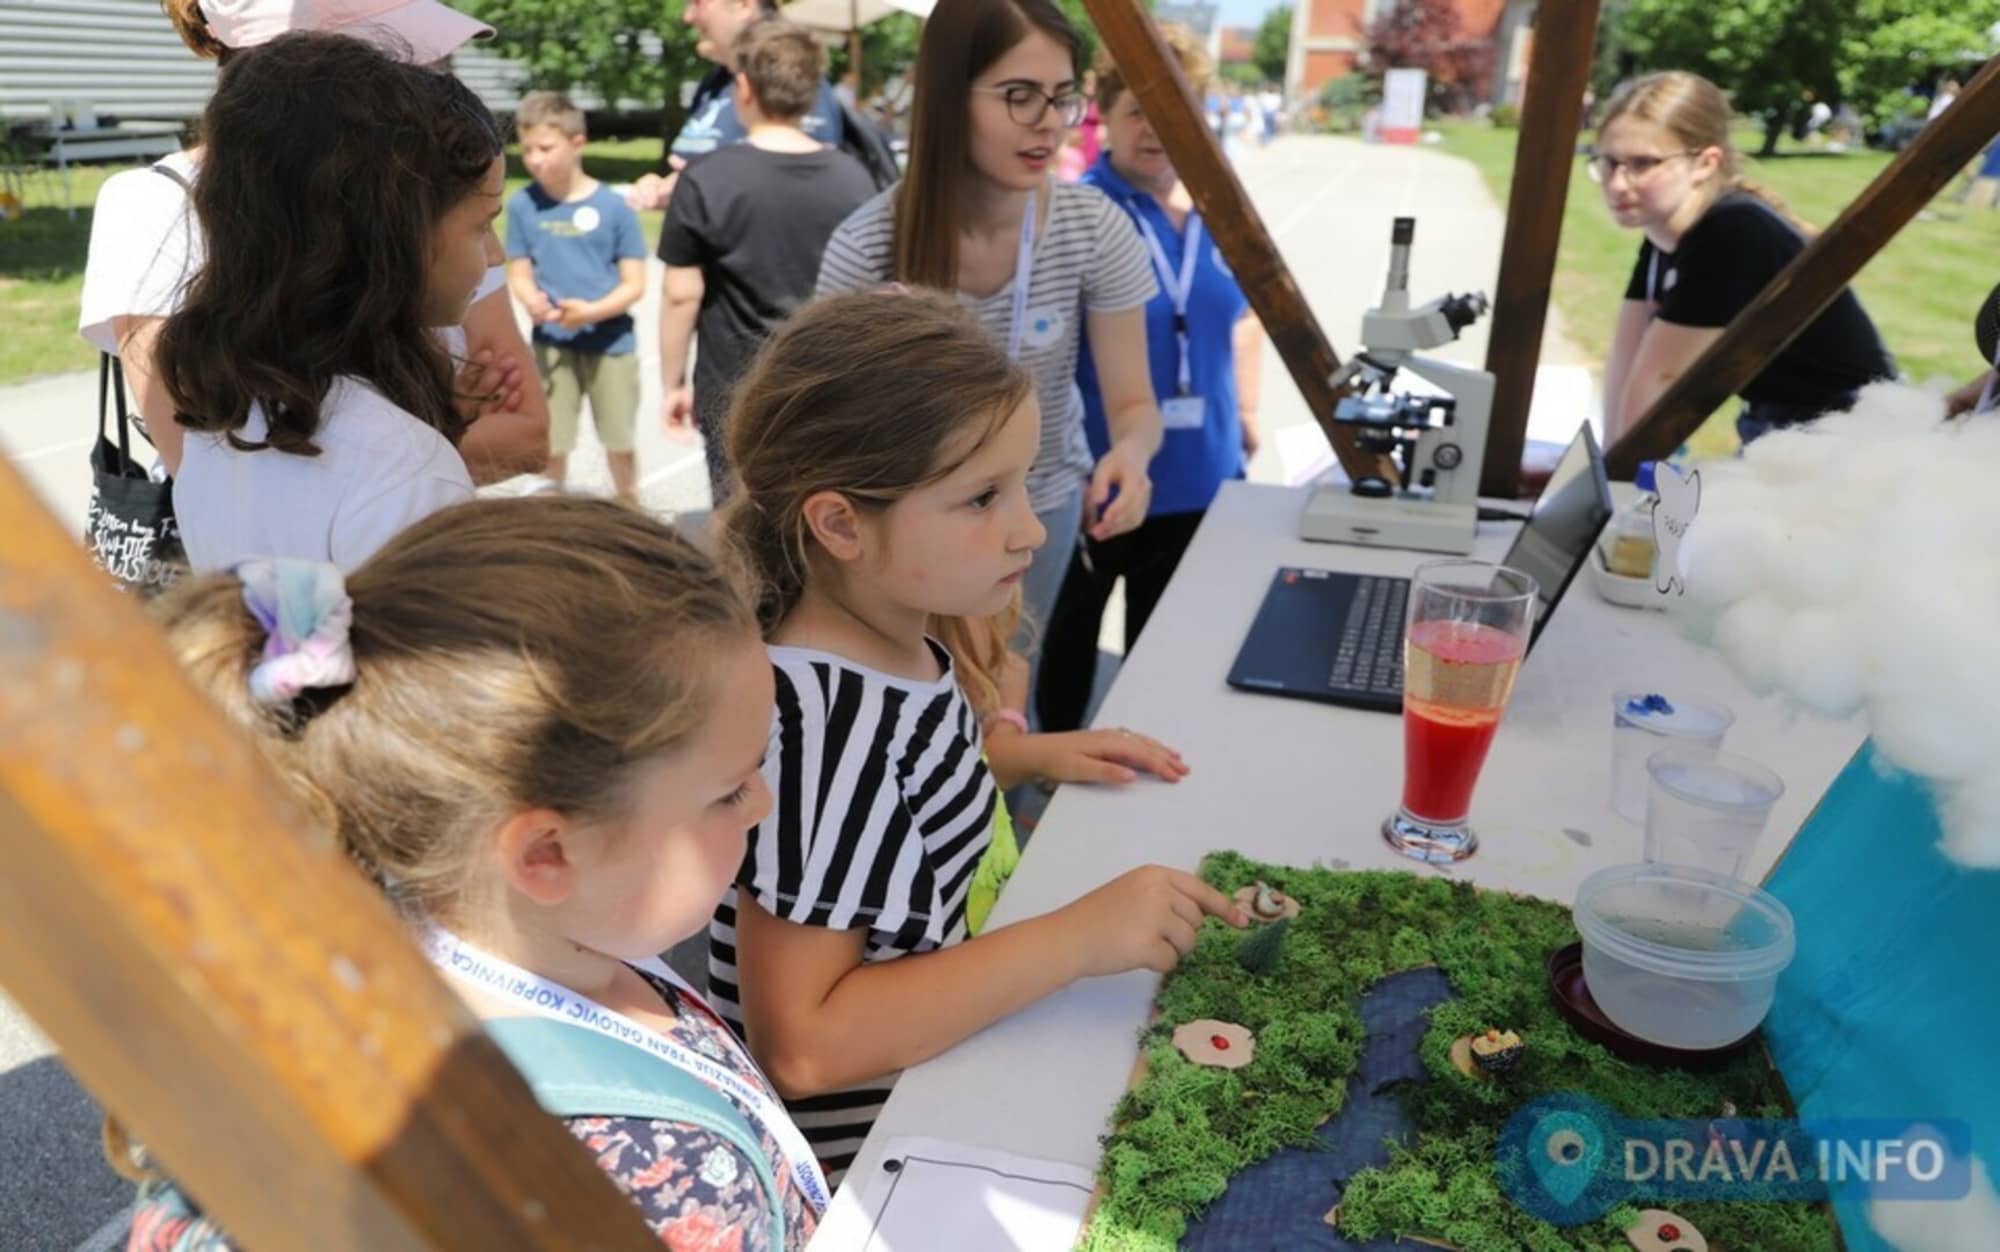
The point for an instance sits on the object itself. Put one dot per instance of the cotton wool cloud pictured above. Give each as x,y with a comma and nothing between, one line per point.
1852,566
1962,1225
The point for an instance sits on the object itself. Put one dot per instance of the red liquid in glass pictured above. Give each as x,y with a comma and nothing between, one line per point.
1457,677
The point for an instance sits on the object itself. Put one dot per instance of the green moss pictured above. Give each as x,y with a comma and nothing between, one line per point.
1185,1130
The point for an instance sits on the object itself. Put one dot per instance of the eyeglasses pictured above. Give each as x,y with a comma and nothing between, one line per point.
1638,168
1028,104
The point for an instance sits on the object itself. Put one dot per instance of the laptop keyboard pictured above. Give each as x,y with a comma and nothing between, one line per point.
1369,656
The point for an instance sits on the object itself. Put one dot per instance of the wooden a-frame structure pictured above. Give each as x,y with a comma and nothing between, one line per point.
253,1011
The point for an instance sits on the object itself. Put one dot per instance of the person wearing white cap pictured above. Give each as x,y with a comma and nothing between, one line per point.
145,247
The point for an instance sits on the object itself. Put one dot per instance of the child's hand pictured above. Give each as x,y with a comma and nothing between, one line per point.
1104,756
487,384
1145,919
538,306
573,314
677,412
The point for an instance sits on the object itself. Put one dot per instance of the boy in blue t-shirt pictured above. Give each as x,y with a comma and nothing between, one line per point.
577,259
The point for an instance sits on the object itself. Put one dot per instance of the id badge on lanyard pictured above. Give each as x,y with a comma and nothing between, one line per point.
1184,410
538,995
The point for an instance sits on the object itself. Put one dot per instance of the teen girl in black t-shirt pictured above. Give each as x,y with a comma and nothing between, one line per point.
1712,243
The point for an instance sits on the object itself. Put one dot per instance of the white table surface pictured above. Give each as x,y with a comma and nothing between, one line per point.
1293,781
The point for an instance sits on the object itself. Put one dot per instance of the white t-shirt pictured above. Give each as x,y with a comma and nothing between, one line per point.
378,470
145,247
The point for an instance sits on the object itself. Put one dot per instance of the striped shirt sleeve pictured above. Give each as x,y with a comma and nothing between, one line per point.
860,253
840,848
1121,274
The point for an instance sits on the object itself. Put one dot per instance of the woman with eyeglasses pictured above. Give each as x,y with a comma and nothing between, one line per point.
1044,264
1712,242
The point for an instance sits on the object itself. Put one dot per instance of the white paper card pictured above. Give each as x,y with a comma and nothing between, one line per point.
930,1195
1182,412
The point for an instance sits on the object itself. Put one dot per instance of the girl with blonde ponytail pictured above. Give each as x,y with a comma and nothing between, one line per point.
539,725
1712,243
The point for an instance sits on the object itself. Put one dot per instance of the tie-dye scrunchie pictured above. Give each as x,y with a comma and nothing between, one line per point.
304,609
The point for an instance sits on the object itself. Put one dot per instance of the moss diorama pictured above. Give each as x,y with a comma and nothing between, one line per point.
1186,1129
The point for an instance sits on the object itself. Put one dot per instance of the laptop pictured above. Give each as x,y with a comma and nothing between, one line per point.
1338,637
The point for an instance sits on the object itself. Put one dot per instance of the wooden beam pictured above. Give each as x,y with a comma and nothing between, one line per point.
1565,46
1816,277
237,995
1152,74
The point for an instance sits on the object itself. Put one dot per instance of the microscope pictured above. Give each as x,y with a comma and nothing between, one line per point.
1435,445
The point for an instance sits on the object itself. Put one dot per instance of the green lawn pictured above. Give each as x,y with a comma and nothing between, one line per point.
42,255
1922,290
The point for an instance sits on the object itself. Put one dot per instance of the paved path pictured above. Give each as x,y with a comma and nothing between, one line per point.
1327,202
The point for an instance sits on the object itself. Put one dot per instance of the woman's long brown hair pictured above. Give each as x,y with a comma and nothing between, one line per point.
961,40
327,167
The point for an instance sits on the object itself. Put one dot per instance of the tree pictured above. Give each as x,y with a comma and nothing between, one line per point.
622,51
1890,45
888,49
1260,949
1775,58
1273,49
1427,35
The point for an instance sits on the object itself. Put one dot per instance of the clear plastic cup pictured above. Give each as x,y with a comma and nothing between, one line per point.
1706,808
1681,957
1642,723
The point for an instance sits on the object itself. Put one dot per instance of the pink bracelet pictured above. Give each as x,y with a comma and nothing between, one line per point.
1012,717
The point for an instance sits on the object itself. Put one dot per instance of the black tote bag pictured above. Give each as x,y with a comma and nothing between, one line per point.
130,529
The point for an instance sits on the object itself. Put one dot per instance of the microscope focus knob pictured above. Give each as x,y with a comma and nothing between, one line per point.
1448,456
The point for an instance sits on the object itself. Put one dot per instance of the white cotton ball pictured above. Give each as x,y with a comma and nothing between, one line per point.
1748,636
1789,456
1844,564
1970,814
1897,403
1966,1224
1729,557
1820,664
1945,736
1814,565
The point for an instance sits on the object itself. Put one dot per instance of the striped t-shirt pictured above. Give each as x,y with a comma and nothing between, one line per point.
884,819
1088,258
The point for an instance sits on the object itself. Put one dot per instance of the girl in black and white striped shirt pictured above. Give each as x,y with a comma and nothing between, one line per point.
883,444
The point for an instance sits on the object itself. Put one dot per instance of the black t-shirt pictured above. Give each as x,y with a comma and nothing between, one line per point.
755,223
1723,262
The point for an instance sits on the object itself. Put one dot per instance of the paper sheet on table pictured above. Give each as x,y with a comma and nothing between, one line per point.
969,1199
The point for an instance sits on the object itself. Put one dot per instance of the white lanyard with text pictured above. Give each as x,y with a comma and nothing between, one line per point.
1179,287
1024,272
454,955
1653,277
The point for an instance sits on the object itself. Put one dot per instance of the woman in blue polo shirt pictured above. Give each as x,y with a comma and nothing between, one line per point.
1204,348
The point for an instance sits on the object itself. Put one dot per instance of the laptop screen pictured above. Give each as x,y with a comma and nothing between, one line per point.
1568,515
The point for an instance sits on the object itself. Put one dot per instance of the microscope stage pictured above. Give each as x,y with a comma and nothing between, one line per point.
1335,514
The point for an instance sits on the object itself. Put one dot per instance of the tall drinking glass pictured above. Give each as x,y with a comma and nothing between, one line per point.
1468,630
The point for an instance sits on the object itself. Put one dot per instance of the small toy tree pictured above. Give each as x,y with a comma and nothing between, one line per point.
1261,948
